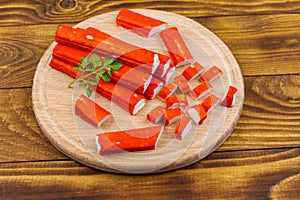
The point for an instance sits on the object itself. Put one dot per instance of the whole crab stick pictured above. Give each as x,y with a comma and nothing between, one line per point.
138,139
197,113
201,90
229,97
156,114
183,127
90,111
138,23
176,101
176,47
95,40
210,102
192,71
167,90
211,74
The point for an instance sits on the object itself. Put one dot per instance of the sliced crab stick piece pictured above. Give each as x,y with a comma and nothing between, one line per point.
183,84
91,39
138,23
197,113
176,47
153,88
210,102
156,114
139,139
211,74
201,90
173,115
176,101
166,78
90,111
192,71
167,90
183,127
230,96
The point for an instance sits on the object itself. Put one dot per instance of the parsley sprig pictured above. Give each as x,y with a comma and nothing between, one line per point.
92,70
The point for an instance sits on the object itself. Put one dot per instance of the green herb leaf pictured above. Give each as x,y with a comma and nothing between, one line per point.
108,61
85,61
89,91
98,77
77,67
108,70
82,84
95,60
105,77
89,68
92,82
116,65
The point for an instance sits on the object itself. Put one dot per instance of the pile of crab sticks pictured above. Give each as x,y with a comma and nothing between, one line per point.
144,75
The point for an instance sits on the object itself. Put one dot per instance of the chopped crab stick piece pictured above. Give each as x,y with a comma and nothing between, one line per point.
201,90
197,113
230,96
183,84
138,23
176,101
167,90
210,102
166,78
173,115
139,139
153,88
156,114
90,111
192,71
176,46
183,127
211,74
163,67
91,39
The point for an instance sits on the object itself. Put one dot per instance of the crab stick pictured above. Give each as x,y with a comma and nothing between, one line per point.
176,47
183,84
211,74
176,101
183,127
90,111
192,71
153,88
229,97
167,90
156,114
173,115
138,23
201,90
139,139
197,113
210,102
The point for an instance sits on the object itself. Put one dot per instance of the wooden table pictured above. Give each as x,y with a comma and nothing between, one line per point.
260,160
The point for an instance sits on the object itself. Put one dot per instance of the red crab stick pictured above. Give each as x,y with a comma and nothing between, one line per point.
210,102
197,113
91,112
167,90
153,88
230,96
176,47
201,90
139,139
183,84
176,101
173,115
192,71
140,24
156,114
94,40
211,74
64,67
183,127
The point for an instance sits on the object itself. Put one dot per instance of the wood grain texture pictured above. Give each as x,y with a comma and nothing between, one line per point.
223,175
21,12
260,50
270,119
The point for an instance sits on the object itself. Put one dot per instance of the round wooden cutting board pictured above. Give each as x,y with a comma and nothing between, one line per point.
53,103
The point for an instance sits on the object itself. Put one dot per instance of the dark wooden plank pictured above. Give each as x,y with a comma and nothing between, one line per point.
263,45
223,175
20,12
270,119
